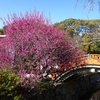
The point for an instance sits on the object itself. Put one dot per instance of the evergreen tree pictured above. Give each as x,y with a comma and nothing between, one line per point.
88,45
1,32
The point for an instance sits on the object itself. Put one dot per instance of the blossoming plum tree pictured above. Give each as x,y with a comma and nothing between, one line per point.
30,42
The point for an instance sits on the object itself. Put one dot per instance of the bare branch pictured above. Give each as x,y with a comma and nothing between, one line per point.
89,4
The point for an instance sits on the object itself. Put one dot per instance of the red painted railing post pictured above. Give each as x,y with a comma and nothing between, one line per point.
75,61
92,56
70,65
59,69
83,62
55,75
51,71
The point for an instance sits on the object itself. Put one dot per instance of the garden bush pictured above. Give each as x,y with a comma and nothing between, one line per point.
10,86
33,45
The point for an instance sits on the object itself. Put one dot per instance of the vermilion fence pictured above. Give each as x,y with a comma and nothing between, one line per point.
75,62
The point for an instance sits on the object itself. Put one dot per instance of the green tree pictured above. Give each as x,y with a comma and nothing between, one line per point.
1,31
77,39
88,45
98,45
77,26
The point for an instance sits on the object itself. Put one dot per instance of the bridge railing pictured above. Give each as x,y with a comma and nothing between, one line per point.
75,62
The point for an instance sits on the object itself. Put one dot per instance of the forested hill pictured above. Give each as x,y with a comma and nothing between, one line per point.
85,33
78,26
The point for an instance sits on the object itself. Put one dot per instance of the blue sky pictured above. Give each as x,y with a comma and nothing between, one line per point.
59,9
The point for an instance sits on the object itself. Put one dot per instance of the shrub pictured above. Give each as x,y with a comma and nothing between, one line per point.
30,42
10,85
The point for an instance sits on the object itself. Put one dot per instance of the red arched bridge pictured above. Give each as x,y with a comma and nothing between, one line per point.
85,63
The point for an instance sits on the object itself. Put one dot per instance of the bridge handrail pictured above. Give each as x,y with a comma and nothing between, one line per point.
75,62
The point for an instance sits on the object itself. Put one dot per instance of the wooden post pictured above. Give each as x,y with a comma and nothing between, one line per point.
75,61
59,69
70,65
